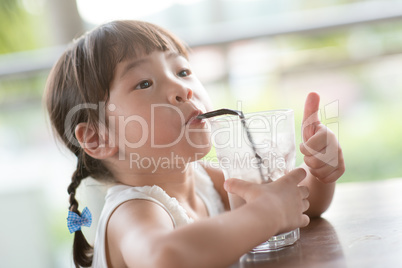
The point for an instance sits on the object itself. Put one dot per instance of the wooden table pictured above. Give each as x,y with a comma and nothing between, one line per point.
362,228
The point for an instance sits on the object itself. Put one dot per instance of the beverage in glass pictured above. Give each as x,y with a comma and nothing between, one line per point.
258,148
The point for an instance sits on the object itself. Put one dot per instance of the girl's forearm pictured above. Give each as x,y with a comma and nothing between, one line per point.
321,194
218,241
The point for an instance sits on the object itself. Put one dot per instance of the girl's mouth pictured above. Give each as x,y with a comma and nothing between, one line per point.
193,118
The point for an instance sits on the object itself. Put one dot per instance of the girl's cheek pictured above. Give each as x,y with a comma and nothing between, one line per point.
131,132
205,100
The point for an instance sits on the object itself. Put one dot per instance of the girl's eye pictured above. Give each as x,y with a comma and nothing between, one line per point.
184,73
144,84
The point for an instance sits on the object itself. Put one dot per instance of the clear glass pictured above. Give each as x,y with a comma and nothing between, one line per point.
263,155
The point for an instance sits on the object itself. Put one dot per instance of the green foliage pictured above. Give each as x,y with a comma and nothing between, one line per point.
18,30
373,148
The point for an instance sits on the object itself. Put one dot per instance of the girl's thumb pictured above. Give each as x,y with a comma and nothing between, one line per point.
238,187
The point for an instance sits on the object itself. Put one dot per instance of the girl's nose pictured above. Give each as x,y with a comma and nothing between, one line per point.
181,95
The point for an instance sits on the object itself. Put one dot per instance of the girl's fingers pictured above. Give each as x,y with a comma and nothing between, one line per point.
306,204
323,171
332,177
317,159
304,192
248,190
241,188
305,220
316,143
310,115
295,176
326,166
313,162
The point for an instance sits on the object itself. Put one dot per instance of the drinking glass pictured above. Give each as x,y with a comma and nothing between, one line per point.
259,148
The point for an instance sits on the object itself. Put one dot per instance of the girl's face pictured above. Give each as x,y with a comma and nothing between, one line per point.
154,100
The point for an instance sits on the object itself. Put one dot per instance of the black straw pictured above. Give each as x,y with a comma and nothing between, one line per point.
242,118
220,112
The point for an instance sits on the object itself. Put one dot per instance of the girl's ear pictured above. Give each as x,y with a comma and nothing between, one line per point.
95,144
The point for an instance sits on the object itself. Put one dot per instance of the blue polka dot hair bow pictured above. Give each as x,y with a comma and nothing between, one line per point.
74,221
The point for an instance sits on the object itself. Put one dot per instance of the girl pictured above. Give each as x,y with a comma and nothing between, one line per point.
124,100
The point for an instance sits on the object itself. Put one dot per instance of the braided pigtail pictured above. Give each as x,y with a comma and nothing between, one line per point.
82,250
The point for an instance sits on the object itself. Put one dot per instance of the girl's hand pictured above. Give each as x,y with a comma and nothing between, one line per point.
321,149
282,200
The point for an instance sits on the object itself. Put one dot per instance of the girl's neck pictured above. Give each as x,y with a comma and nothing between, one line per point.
177,182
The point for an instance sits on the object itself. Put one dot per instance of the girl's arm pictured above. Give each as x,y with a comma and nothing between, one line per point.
142,233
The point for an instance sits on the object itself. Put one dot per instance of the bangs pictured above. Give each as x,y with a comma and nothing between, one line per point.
131,38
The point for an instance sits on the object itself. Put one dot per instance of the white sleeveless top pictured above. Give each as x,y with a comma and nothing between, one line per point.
116,195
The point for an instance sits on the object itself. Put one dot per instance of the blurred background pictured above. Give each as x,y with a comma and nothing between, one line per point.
250,54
